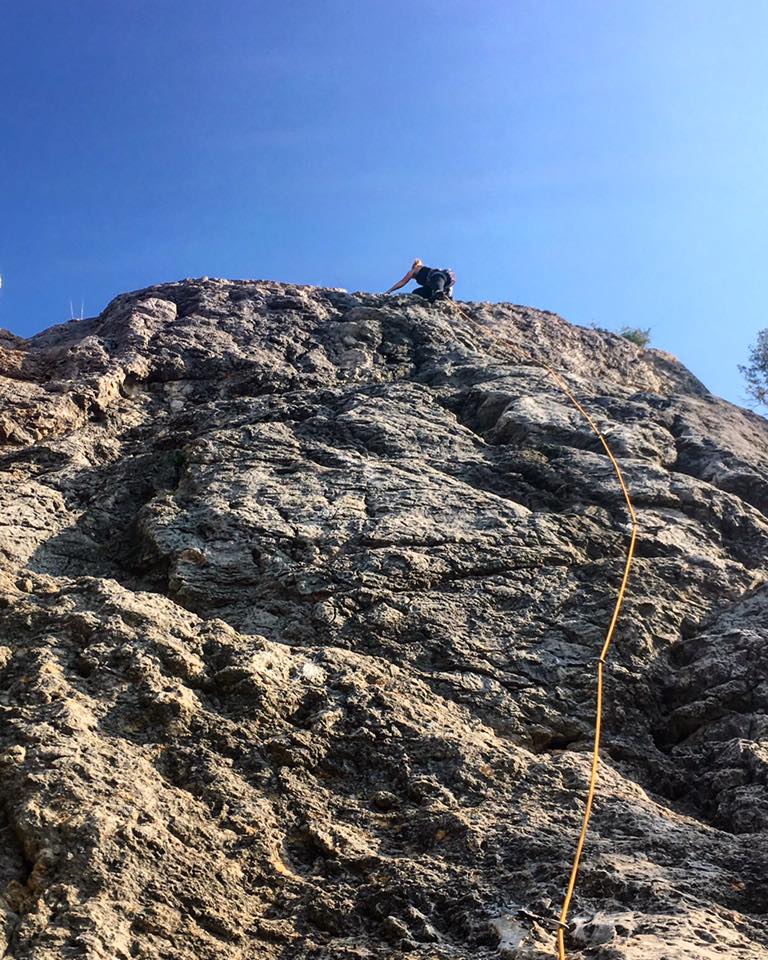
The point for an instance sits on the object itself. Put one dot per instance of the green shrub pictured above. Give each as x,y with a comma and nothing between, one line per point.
637,335
756,371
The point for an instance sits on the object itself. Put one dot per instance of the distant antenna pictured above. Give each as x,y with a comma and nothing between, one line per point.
72,310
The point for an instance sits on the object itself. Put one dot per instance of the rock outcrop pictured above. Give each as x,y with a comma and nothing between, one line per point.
302,594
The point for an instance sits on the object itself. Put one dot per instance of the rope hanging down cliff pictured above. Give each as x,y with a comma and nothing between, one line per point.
563,921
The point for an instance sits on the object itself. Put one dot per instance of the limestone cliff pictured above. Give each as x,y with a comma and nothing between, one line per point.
302,594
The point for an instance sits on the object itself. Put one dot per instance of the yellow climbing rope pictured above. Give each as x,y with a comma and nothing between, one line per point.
563,921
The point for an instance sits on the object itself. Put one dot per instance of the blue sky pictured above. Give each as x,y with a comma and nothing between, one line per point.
606,159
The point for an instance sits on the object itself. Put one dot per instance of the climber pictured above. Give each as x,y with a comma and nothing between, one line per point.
433,284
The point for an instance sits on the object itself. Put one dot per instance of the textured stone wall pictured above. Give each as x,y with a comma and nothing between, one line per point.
302,594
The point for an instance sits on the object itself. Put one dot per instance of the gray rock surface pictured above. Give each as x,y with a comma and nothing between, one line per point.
302,594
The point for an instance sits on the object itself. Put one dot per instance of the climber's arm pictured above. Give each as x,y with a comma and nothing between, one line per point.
401,283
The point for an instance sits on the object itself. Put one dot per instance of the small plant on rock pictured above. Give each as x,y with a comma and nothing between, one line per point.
636,335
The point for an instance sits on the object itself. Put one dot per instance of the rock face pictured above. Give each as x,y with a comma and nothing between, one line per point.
302,594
